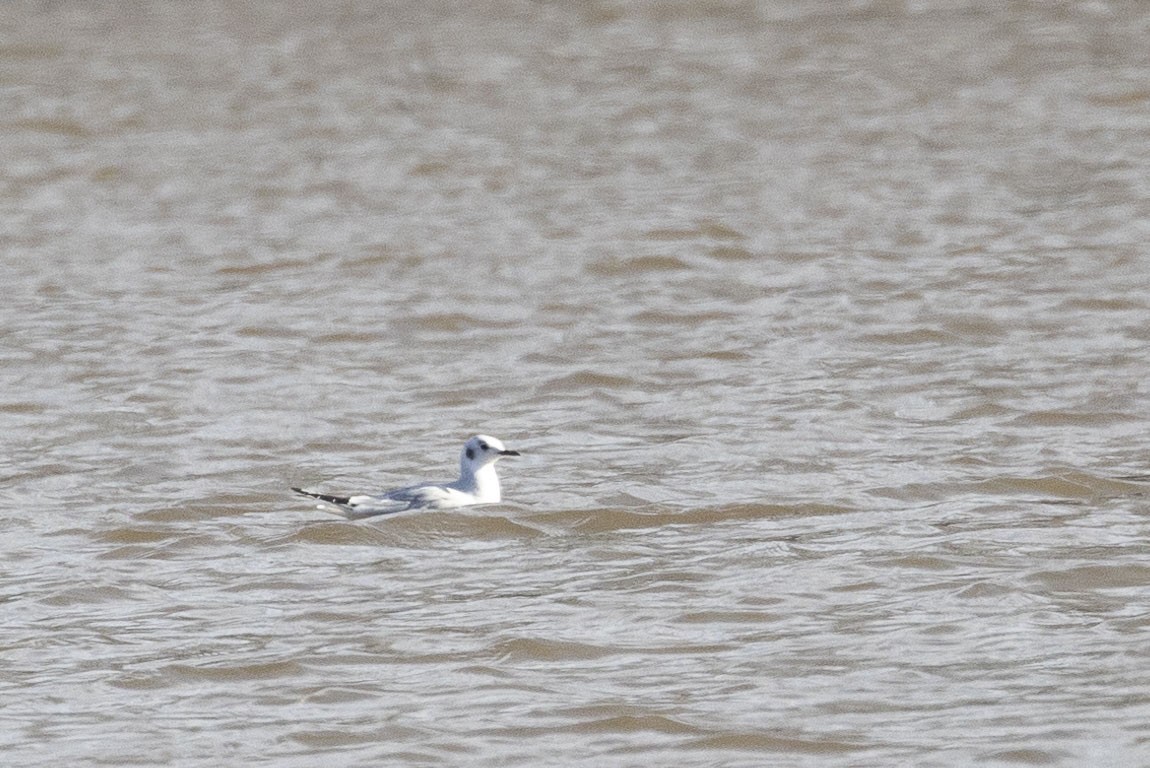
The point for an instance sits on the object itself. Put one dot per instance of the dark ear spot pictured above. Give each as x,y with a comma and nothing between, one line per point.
471,453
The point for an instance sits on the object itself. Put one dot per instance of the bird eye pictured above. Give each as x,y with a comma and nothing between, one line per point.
482,446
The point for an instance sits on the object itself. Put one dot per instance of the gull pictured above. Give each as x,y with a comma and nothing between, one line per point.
477,484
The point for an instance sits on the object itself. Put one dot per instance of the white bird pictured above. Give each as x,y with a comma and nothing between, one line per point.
477,484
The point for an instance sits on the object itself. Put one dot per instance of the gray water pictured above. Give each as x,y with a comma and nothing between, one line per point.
822,328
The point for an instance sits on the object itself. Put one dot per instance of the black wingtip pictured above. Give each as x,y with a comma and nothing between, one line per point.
341,500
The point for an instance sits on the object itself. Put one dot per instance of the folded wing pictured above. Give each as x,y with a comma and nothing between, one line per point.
401,500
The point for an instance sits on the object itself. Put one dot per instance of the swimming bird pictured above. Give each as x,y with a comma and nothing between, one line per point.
477,484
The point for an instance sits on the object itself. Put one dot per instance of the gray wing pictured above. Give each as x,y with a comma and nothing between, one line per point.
401,500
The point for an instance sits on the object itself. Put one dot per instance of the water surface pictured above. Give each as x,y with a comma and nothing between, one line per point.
822,330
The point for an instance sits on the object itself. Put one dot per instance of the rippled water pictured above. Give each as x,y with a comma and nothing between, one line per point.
822,330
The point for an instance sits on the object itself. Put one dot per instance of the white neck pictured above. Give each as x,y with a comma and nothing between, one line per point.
483,483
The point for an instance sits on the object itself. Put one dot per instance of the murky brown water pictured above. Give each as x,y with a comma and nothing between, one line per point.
823,328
